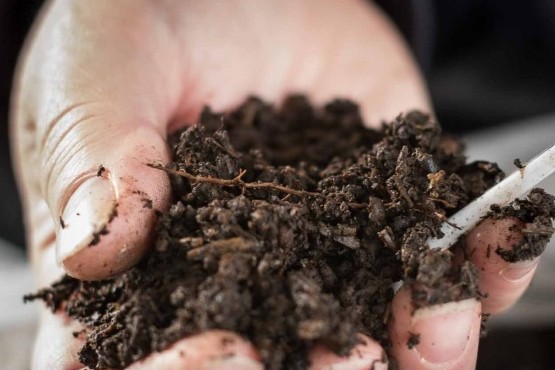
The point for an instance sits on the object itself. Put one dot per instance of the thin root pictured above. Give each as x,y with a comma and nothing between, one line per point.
235,182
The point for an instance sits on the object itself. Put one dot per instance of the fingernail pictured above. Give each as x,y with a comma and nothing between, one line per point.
519,270
233,362
359,364
85,216
445,330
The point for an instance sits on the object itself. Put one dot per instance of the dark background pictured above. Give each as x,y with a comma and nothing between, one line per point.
487,62
15,19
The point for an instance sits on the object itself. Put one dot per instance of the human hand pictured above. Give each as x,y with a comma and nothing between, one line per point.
102,84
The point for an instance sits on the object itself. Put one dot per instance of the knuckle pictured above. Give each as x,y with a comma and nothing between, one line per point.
64,145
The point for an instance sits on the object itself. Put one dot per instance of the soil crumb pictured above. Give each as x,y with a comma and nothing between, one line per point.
413,341
288,226
100,171
536,212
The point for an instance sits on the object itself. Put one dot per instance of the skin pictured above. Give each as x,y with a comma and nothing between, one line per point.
102,81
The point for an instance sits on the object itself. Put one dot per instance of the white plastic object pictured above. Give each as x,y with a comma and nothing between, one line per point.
512,187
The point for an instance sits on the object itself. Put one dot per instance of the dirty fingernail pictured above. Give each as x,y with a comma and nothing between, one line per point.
359,364
444,330
233,362
85,216
519,270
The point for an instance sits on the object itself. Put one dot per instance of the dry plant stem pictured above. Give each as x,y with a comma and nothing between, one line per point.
548,231
514,186
235,182
238,182
222,246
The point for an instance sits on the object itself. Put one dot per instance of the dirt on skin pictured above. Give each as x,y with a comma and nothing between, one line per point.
289,226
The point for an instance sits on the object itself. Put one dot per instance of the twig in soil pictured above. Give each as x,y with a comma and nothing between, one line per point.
235,182
443,202
109,329
222,246
402,190
446,220
223,149
548,231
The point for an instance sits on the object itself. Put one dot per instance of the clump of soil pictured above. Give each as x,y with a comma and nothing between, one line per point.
537,214
288,227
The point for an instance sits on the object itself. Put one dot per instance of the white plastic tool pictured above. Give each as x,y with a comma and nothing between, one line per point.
514,186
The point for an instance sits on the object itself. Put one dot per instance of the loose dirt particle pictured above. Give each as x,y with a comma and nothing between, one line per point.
100,171
104,229
518,164
413,341
147,203
483,321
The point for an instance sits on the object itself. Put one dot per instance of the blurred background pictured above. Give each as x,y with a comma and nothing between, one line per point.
489,65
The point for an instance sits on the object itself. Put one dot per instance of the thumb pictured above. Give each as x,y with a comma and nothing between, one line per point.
443,336
105,199
89,114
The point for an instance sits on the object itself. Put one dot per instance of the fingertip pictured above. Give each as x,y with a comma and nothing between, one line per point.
368,354
122,241
86,216
443,336
501,282
491,234
211,350
105,246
